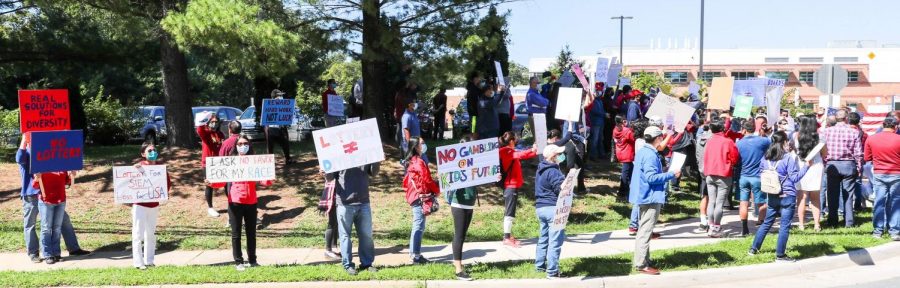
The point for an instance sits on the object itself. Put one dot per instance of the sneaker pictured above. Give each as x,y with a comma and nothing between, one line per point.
877,235
421,260
50,260
212,212
648,270
332,255
784,259
512,242
58,258
744,234
703,228
895,237
351,271
35,258
752,252
371,269
715,232
539,270
555,276
654,236
80,252
151,265
251,264
240,267
463,276
632,231
141,267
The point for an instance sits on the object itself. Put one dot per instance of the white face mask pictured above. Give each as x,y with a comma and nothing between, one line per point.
242,150
424,148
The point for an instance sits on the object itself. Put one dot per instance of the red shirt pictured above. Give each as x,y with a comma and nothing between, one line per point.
624,138
245,192
510,161
54,185
210,141
883,149
734,136
325,99
720,156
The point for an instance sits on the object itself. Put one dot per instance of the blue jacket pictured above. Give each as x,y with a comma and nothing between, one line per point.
598,113
789,172
547,183
24,160
536,102
648,181
633,111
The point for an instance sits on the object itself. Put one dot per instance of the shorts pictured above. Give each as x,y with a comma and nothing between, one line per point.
510,201
751,184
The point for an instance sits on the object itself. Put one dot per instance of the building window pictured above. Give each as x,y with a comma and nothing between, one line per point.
783,75
846,59
743,75
636,74
708,76
806,76
811,59
676,77
776,59
852,76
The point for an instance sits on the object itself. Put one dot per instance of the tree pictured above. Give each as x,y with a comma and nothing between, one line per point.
645,81
518,74
564,60
489,44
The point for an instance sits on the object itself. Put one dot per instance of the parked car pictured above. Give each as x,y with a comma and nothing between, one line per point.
461,124
152,120
226,114
256,132
521,111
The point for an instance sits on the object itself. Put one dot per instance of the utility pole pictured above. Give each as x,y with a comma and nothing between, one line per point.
621,32
702,5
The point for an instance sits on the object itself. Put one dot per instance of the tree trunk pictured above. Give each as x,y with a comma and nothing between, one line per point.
376,88
179,118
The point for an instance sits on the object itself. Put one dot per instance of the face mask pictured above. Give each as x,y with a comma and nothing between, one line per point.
214,126
424,148
482,84
152,155
416,106
243,149
560,158
333,86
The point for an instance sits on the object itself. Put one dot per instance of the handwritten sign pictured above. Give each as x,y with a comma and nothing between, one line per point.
580,74
774,93
694,88
240,168
720,93
755,88
540,130
278,111
743,106
140,185
602,69
564,202
335,105
468,164
673,111
44,110
569,104
566,79
499,69
349,145
612,77
57,151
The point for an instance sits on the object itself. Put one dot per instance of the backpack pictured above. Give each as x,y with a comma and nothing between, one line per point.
770,182
503,174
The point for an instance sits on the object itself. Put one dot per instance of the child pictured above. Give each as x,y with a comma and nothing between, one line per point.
144,216
421,191
511,163
52,207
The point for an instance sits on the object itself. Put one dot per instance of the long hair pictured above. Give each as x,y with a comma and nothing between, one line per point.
412,149
808,134
776,150
234,152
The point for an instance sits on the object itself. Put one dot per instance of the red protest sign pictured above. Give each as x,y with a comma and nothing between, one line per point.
44,110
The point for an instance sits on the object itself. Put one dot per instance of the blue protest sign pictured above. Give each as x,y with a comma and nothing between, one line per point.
277,112
57,151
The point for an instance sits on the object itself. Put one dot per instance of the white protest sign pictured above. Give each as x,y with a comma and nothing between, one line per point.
564,202
240,168
349,145
500,78
755,88
352,120
667,107
613,75
335,105
540,130
677,162
602,69
566,79
140,185
774,93
568,104
624,81
468,164
694,88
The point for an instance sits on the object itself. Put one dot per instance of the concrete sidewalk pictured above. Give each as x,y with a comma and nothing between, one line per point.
674,235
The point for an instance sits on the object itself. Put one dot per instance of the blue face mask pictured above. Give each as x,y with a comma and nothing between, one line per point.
242,150
333,85
153,155
560,158
424,148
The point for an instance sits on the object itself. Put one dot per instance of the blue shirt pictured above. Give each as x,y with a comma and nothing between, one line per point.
598,113
648,180
536,102
752,148
633,112
24,160
410,121
789,172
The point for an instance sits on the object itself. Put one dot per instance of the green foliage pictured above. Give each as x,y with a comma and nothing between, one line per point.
108,121
645,81
308,99
488,43
9,127
345,72
564,60
518,74
787,102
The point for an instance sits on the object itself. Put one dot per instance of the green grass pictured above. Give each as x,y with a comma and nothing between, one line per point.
802,244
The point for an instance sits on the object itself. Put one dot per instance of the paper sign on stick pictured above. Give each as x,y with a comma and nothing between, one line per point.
694,88
468,164
677,162
352,120
140,185
564,202
335,105
44,110
580,74
350,145
613,75
566,79
569,104
667,107
720,93
754,88
57,151
500,79
774,93
540,130
743,106
277,112
624,81
602,69
240,168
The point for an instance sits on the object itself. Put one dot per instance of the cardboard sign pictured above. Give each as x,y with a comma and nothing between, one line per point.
140,185
44,110
335,105
568,104
580,74
720,93
540,130
500,79
754,88
349,145
671,110
564,202
743,106
694,88
277,112
468,164
240,168
602,69
566,79
57,151
612,77
774,93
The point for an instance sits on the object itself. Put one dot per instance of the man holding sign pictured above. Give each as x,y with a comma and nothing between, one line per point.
330,105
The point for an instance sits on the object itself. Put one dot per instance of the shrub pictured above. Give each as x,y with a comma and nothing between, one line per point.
108,121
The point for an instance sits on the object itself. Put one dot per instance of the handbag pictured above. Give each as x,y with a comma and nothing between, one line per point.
770,181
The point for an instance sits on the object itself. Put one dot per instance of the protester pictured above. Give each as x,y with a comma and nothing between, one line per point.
883,150
548,181
791,124
210,142
52,206
624,138
505,113
462,205
810,185
843,163
421,191
327,206
439,108
853,120
229,145
631,109
351,187
474,89
751,149
278,134
488,125
511,163
703,136
780,159
598,118
535,102
719,157
648,192
546,87
762,126
144,217
356,99
574,143
410,126
330,120
634,219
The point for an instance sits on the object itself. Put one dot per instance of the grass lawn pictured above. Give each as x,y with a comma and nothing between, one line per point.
804,244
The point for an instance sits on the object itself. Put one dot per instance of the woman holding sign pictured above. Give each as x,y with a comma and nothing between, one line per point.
547,185
511,163
144,216
210,141
421,191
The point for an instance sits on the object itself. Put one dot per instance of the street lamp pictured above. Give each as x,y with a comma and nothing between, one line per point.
621,30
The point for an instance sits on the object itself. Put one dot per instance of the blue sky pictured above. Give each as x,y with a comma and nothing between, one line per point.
540,28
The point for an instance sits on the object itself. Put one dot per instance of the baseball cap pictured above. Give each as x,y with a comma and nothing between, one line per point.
653,131
552,150
276,93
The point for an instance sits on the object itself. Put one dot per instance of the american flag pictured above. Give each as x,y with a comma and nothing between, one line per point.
873,117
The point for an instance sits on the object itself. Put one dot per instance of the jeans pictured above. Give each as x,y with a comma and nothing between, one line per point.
596,149
625,180
361,217
418,228
549,245
786,206
635,216
649,214
243,215
51,227
887,203
841,186
30,213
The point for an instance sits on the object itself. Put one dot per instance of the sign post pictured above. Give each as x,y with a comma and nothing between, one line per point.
830,79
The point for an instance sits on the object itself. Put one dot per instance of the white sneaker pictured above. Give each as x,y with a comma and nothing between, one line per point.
212,212
240,267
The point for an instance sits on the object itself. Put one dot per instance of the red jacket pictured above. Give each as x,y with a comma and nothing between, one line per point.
624,138
510,161
418,181
884,152
210,141
325,94
54,185
720,156
168,187
734,136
